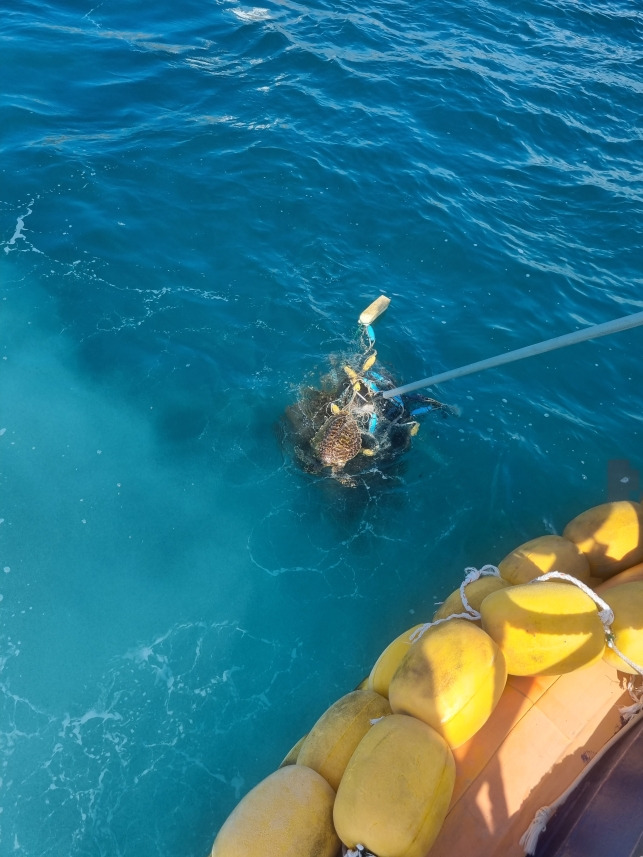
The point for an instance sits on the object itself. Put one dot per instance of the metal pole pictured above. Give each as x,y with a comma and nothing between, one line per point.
593,332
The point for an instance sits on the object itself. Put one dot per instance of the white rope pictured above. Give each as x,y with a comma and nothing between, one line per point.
605,613
530,837
635,692
415,636
472,574
627,712
472,615
631,664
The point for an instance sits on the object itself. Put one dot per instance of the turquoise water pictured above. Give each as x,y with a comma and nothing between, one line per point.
197,201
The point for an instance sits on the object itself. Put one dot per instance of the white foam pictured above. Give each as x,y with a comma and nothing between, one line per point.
255,13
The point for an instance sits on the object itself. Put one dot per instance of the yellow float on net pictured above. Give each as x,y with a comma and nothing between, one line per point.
451,678
396,789
333,739
288,814
547,628
369,362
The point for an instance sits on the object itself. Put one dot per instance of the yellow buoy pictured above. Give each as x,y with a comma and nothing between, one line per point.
546,553
627,603
352,374
610,536
333,739
396,789
451,678
547,628
288,814
390,659
475,592
369,362
374,310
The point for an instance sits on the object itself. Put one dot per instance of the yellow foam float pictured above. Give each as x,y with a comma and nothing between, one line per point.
483,726
546,553
547,628
333,739
627,626
451,678
610,536
385,666
374,310
289,814
396,789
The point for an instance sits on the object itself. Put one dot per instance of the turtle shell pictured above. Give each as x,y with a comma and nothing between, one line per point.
338,440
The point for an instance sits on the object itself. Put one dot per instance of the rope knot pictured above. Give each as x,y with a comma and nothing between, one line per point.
471,575
606,617
530,837
628,712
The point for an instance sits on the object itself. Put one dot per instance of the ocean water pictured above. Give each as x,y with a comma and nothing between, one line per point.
197,201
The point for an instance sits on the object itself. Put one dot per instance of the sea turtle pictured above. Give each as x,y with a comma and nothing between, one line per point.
338,440
350,415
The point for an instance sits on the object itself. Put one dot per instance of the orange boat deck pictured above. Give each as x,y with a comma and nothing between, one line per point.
538,740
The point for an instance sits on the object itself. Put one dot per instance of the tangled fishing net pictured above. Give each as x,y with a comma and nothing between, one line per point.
344,426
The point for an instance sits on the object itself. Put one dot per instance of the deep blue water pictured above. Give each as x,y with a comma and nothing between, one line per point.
197,201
